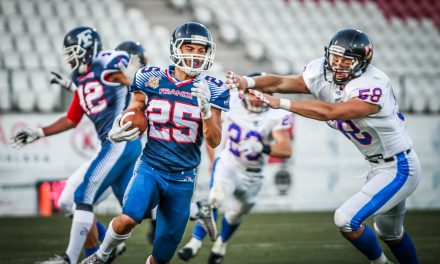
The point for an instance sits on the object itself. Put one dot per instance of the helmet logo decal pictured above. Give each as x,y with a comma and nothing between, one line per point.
85,38
337,49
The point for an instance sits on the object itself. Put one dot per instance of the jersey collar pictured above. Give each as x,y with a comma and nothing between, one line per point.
169,72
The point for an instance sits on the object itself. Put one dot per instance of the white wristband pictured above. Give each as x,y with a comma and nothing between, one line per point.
250,81
40,132
285,104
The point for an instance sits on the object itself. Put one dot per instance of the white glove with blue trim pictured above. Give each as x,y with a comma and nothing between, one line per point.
201,90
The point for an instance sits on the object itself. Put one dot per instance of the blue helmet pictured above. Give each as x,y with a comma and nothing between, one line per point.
81,45
192,33
134,48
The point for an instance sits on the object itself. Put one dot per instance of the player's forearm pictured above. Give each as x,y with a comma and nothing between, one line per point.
212,133
281,150
61,125
280,84
315,109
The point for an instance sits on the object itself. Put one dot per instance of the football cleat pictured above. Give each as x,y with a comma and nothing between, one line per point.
119,250
57,259
93,259
218,251
206,219
190,250
215,258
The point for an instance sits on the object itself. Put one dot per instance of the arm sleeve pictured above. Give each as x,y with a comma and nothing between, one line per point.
284,122
113,63
369,91
75,111
311,74
220,97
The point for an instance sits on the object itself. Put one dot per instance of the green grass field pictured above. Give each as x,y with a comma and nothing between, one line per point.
262,238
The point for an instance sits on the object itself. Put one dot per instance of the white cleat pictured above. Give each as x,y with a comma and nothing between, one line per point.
218,251
190,250
93,259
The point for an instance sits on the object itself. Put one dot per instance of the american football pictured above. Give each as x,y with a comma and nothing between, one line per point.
138,118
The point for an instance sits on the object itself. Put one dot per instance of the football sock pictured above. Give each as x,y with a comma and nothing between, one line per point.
199,232
101,230
110,241
227,229
90,251
82,221
368,244
405,251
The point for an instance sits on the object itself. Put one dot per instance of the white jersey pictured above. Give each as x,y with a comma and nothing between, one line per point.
383,133
242,124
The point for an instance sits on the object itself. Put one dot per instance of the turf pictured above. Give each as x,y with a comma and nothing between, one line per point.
262,238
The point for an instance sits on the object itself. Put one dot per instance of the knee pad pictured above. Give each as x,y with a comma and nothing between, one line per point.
342,221
387,234
233,217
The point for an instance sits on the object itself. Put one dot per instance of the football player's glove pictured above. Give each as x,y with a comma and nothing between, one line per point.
63,81
250,147
120,133
133,65
26,136
201,90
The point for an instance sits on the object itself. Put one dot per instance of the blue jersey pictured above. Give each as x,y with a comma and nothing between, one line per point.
175,130
99,99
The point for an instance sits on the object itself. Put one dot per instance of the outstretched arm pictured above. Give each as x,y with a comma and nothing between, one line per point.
321,110
269,83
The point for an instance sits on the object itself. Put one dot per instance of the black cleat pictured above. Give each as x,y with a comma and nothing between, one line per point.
215,258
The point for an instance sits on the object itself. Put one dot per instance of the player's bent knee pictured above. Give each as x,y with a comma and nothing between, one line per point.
342,221
123,224
66,207
233,218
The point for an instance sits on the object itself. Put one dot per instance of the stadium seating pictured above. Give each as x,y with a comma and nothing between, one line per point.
290,33
287,33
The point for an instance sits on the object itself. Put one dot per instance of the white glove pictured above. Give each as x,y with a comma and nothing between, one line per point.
63,81
201,90
250,147
119,133
134,64
231,80
26,136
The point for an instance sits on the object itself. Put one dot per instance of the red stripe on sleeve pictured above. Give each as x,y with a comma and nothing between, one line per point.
75,111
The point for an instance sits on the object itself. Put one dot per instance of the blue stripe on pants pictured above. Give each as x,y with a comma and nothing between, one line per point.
383,195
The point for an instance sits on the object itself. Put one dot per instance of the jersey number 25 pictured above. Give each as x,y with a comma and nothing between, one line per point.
184,118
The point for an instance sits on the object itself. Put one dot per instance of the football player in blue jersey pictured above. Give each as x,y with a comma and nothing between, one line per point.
184,106
101,93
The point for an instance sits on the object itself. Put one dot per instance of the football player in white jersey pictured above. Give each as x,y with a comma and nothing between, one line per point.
356,98
253,132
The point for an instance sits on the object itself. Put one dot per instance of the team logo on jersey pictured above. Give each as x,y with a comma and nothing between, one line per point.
153,82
